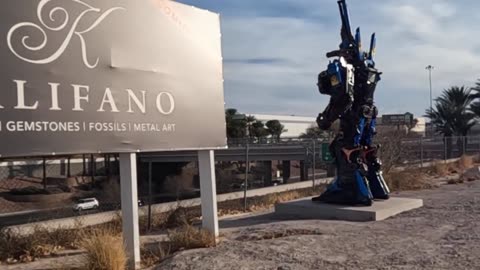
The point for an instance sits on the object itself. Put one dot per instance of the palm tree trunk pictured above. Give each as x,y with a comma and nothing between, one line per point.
461,145
448,142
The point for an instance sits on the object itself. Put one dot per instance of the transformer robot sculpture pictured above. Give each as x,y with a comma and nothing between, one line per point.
350,81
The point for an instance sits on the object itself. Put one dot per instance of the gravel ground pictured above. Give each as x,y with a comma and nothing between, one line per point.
444,234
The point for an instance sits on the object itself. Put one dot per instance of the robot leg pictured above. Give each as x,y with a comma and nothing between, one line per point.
377,183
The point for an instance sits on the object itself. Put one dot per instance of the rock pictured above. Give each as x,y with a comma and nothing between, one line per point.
472,174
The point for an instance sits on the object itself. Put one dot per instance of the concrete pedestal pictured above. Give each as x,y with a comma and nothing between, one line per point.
380,210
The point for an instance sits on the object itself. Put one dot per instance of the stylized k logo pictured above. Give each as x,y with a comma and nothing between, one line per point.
59,26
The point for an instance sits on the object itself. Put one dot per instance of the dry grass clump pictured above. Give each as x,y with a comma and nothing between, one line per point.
181,216
155,253
104,251
183,238
190,237
158,222
465,162
441,169
444,169
43,242
456,181
408,180
265,202
15,247
268,201
171,219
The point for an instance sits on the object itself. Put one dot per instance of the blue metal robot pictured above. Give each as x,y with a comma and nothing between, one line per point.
350,81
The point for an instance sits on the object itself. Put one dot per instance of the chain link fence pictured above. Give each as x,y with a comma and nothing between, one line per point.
46,188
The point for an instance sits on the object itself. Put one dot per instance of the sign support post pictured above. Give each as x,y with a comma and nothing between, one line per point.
208,191
128,186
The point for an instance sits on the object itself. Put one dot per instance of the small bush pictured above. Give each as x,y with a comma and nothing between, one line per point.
105,251
180,217
440,169
456,181
465,162
158,222
408,180
190,237
41,242
155,253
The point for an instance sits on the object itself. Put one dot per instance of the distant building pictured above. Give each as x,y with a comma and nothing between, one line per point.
406,122
296,125
420,127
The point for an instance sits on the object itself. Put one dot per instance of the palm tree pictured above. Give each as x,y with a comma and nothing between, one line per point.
249,121
476,94
451,115
275,128
313,132
235,128
258,130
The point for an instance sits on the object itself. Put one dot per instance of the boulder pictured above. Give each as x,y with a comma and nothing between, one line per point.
472,174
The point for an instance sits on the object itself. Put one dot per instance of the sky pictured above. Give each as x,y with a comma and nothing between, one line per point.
273,50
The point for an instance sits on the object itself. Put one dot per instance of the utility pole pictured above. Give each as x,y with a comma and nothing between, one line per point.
430,68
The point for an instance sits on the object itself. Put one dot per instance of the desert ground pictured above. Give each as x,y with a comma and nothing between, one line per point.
444,234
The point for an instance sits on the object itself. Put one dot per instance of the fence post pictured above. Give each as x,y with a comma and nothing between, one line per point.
69,173
44,165
247,169
92,169
149,196
445,149
479,145
84,159
421,152
314,161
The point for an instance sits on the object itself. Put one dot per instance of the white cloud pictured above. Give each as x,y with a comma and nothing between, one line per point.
292,37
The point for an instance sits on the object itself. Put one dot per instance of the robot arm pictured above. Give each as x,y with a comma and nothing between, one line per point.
337,82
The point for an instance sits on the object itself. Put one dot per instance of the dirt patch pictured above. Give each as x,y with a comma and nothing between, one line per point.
259,235
444,234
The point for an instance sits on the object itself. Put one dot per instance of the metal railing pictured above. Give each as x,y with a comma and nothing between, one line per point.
179,180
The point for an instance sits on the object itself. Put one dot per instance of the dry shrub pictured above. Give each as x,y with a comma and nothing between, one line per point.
465,162
440,169
456,181
190,237
229,212
289,196
155,253
392,150
181,216
183,238
158,221
43,242
408,180
104,251
15,247
268,201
